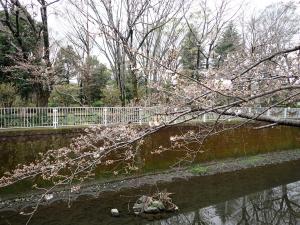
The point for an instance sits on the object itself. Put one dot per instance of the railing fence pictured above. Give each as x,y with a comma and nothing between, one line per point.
27,117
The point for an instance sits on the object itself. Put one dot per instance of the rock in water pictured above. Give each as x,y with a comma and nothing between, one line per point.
158,204
114,212
144,199
151,209
138,208
141,204
154,205
48,197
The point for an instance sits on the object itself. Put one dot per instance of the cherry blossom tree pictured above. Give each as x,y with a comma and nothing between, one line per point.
243,80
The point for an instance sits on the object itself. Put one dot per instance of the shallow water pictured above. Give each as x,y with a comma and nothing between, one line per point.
263,195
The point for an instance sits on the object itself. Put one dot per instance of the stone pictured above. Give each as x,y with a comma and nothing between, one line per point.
138,208
114,212
151,209
158,204
171,207
144,199
149,205
141,204
48,197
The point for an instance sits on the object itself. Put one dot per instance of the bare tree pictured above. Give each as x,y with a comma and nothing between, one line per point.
128,27
189,99
207,25
82,39
272,29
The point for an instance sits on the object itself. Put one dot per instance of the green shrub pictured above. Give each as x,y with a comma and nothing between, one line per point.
65,95
97,103
111,96
8,94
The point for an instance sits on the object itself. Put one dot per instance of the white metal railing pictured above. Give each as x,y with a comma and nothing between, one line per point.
27,117
277,112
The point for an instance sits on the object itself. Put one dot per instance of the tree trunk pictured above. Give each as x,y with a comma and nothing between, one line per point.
44,94
122,92
134,80
133,70
207,63
121,83
135,87
46,42
42,97
81,95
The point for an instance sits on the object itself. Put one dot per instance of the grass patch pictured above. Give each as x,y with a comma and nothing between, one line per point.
198,169
252,159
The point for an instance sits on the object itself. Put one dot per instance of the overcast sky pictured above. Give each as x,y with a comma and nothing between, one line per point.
59,25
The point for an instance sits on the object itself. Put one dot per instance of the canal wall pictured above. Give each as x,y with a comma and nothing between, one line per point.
23,146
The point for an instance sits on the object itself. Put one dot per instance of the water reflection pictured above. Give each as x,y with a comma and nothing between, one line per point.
223,199
280,205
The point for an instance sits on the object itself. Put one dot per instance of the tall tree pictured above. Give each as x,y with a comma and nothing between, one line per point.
274,28
189,52
66,64
229,42
124,22
207,25
30,41
93,87
10,53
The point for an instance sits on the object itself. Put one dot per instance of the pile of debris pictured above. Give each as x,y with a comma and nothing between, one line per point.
158,203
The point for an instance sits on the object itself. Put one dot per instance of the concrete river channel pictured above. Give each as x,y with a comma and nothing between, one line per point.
241,176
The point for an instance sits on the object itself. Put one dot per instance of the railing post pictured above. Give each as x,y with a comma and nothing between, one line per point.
285,113
105,116
204,118
55,119
250,110
140,115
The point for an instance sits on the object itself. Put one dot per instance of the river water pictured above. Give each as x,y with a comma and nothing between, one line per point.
262,195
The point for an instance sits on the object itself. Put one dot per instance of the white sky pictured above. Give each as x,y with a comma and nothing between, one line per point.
59,26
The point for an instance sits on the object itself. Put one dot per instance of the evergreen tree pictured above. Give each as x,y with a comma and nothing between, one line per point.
189,51
229,42
94,84
26,50
66,64
12,49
